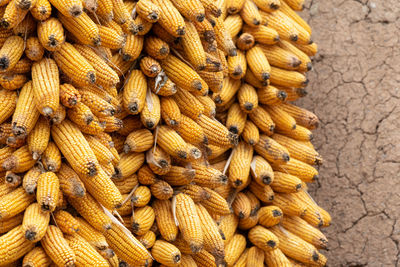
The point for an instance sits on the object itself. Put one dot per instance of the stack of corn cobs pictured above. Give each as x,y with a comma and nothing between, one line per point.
156,131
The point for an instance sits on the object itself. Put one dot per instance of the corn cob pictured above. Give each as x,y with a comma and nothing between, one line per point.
34,49
86,255
35,223
151,113
276,258
141,196
234,249
188,220
41,10
51,34
166,253
250,14
170,18
51,158
57,247
126,246
156,47
74,65
14,246
47,191
66,222
8,104
142,220
36,257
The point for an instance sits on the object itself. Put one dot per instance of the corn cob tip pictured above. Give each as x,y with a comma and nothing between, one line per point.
233,138
266,179
294,37
256,21
75,10
107,253
10,163
305,82
47,111
12,178
265,76
30,189
117,173
181,31
232,52
274,6
4,63
35,155
271,243
276,213
282,95
30,235
309,66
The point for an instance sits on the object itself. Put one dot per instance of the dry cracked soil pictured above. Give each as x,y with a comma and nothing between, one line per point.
355,90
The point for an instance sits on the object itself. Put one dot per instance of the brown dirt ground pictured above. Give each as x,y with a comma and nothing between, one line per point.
355,90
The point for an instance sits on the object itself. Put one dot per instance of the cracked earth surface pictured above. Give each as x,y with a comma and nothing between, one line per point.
355,90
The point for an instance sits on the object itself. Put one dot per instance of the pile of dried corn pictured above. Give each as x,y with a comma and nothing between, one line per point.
156,131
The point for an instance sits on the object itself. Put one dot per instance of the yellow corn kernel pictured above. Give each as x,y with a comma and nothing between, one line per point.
272,150
74,65
11,52
126,246
19,161
159,161
188,221
8,224
261,171
170,111
302,229
165,219
103,154
290,205
134,96
146,175
45,79
69,95
297,5
51,158
41,10
47,191
12,81
241,206
57,247
105,10
298,249
35,223
197,193
161,190
156,48
132,48
234,248
242,261
228,91
13,15
9,104
270,216
262,192
208,177
166,253
23,66
151,113
283,121
237,66
247,98
276,258
281,58
105,75
142,220
250,14
170,18
215,203
34,49
255,256
150,67
129,164
271,95
14,246
36,257
263,238
97,105
305,172
299,150
91,210
81,158
193,48
86,255
302,116
239,167
184,76
178,176
82,28
138,141
171,142
148,10
66,222
91,235
236,119
51,34
216,133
